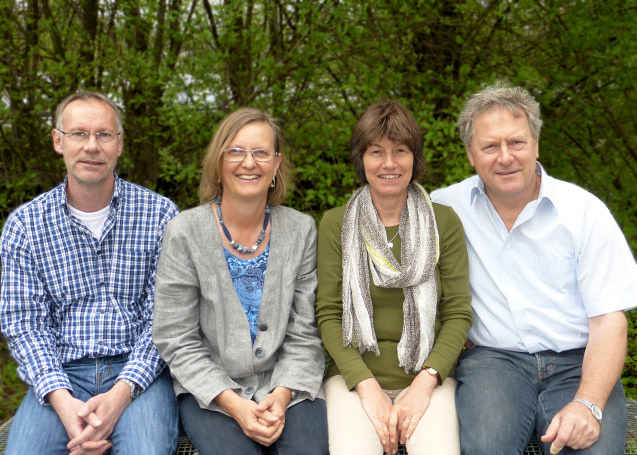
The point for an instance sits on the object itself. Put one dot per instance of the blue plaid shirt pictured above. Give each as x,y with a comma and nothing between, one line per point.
65,295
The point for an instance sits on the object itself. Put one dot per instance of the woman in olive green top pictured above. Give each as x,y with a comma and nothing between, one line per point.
393,301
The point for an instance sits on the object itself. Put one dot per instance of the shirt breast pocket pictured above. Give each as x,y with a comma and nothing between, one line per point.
130,272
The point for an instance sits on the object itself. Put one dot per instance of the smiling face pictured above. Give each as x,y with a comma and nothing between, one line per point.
504,154
249,178
90,162
388,169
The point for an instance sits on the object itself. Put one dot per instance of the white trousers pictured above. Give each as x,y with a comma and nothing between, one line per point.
352,433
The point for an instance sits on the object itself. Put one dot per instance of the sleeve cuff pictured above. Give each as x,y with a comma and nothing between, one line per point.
351,380
439,364
140,373
48,383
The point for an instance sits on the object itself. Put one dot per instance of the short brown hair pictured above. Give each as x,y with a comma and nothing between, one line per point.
391,120
210,185
86,96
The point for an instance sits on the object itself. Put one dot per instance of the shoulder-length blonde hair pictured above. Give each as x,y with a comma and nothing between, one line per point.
211,185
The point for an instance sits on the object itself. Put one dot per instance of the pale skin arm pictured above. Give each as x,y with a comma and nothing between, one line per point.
262,422
275,403
389,420
574,426
411,406
67,407
377,407
107,408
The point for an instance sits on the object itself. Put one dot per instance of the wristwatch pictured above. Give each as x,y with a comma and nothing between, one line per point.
433,372
597,413
134,388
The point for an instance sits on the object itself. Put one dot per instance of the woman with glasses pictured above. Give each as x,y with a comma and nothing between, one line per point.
393,301
234,311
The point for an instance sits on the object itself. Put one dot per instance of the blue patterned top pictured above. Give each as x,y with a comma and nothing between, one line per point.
248,276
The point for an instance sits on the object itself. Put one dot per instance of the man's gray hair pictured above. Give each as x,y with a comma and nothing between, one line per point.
86,96
516,99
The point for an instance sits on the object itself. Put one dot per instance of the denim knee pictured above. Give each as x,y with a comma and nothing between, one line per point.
149,425
36,429
496,402
305,431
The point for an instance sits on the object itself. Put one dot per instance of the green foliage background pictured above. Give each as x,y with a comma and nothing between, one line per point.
177,67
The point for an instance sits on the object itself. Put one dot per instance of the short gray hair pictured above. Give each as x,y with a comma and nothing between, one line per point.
516,99
86,96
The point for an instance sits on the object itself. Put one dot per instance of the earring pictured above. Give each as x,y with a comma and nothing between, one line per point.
273,182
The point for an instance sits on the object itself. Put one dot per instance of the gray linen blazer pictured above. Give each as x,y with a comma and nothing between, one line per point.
201,329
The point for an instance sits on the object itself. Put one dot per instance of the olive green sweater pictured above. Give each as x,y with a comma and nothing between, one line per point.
453,316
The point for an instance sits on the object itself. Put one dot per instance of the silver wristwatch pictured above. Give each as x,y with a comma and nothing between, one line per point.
597,413
134,388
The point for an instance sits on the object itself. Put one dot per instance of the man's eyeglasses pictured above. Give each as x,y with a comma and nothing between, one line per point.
82,136
236,155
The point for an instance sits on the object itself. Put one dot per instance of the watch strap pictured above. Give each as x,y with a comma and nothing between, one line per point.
433,372
134,388
595,410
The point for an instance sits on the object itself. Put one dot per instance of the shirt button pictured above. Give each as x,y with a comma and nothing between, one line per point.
102,284
102,311
263,327
249,391
258,352
98,252
100,343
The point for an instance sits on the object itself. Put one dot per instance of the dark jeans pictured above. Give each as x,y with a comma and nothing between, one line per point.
212,432
504,397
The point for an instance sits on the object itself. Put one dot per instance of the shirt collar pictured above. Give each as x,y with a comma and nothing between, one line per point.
118,192
477,189
547,187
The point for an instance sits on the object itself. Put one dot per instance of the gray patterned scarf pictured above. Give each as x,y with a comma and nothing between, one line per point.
365,248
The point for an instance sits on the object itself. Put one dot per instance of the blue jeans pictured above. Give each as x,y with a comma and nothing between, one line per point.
147,426
504,397
212,432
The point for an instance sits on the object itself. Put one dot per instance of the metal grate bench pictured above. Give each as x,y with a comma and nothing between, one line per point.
184,447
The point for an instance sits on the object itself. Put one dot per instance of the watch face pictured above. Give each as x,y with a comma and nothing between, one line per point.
597,413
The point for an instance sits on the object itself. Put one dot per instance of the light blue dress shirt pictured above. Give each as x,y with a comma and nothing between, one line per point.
534,288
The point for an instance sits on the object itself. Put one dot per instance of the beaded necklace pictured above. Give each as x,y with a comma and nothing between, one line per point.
240,248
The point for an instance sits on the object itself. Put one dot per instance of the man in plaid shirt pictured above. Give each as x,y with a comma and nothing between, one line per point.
76,300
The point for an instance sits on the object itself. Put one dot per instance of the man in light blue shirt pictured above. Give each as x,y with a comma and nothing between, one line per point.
77,296
551,276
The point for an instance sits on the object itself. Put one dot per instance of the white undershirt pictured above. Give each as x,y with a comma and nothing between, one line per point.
94,221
